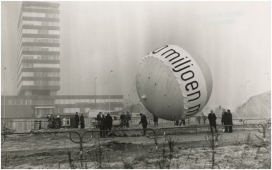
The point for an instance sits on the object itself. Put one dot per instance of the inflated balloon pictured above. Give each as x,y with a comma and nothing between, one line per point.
172,84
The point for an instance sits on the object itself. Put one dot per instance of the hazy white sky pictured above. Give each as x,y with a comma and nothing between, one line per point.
233,37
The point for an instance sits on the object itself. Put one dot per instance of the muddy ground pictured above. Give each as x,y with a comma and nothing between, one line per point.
240,149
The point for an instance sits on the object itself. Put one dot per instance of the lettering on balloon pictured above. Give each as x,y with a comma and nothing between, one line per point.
183,66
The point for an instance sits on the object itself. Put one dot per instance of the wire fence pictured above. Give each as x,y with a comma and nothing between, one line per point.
30,124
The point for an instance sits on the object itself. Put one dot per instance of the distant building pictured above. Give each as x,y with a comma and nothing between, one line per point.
38,59
63,105
38,69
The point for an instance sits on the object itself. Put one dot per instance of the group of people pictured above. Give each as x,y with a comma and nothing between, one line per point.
104,123
179,122
125,119
53,123
226,121
79,120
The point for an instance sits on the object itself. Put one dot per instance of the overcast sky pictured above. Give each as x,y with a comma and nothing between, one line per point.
233,37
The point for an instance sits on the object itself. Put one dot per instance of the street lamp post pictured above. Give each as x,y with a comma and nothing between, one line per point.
109,89
4,116
95,94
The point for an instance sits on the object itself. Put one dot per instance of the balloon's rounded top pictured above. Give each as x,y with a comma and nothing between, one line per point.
172,84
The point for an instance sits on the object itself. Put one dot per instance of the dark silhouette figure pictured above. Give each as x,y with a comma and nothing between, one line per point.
228,121
108,122
212,120
128,119
224,119
198,118
204,118
143,122
123,119
102,126
155,120
76,120
183,122
98,119
176,122
82,123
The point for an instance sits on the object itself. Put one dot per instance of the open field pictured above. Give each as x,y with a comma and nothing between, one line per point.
241,149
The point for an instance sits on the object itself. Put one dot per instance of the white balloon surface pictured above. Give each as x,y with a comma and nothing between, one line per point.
172,84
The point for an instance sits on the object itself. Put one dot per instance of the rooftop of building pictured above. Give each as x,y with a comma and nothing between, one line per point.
26,4
64,97
40,4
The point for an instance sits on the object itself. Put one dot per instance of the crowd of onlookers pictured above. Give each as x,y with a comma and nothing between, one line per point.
105,122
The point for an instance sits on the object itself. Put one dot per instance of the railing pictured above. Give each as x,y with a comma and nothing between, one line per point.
29,124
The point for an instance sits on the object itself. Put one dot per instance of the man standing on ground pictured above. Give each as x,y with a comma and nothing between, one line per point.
98,119
128,119
123,119
76,120
228,121
155,120
108,121
212,120
143,122
102,127
223,120
82,123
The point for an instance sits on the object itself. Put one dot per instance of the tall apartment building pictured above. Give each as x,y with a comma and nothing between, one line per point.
38,70
38,65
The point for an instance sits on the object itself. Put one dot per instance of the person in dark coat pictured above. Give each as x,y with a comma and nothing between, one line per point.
128,119
155,120
176,122
212,120
102,126
223,112
82,123
98,119
228,121
143,122
224,119
123,119
58,122
183,122
76,120
108,121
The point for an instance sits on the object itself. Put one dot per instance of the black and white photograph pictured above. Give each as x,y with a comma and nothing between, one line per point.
136,84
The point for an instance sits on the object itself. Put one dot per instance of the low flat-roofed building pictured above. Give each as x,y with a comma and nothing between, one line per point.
63,105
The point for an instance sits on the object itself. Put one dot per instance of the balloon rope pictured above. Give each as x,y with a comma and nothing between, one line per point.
179,107
160,76
231,106
228,101
150,70
165,109
133,85
140,90
147,80
157,73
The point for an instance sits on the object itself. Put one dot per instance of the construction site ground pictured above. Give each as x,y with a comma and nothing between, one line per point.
240,149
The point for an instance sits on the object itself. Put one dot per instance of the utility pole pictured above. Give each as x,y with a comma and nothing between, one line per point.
95,93
109,89
4,116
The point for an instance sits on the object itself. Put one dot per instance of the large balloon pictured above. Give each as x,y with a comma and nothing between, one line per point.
172,84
